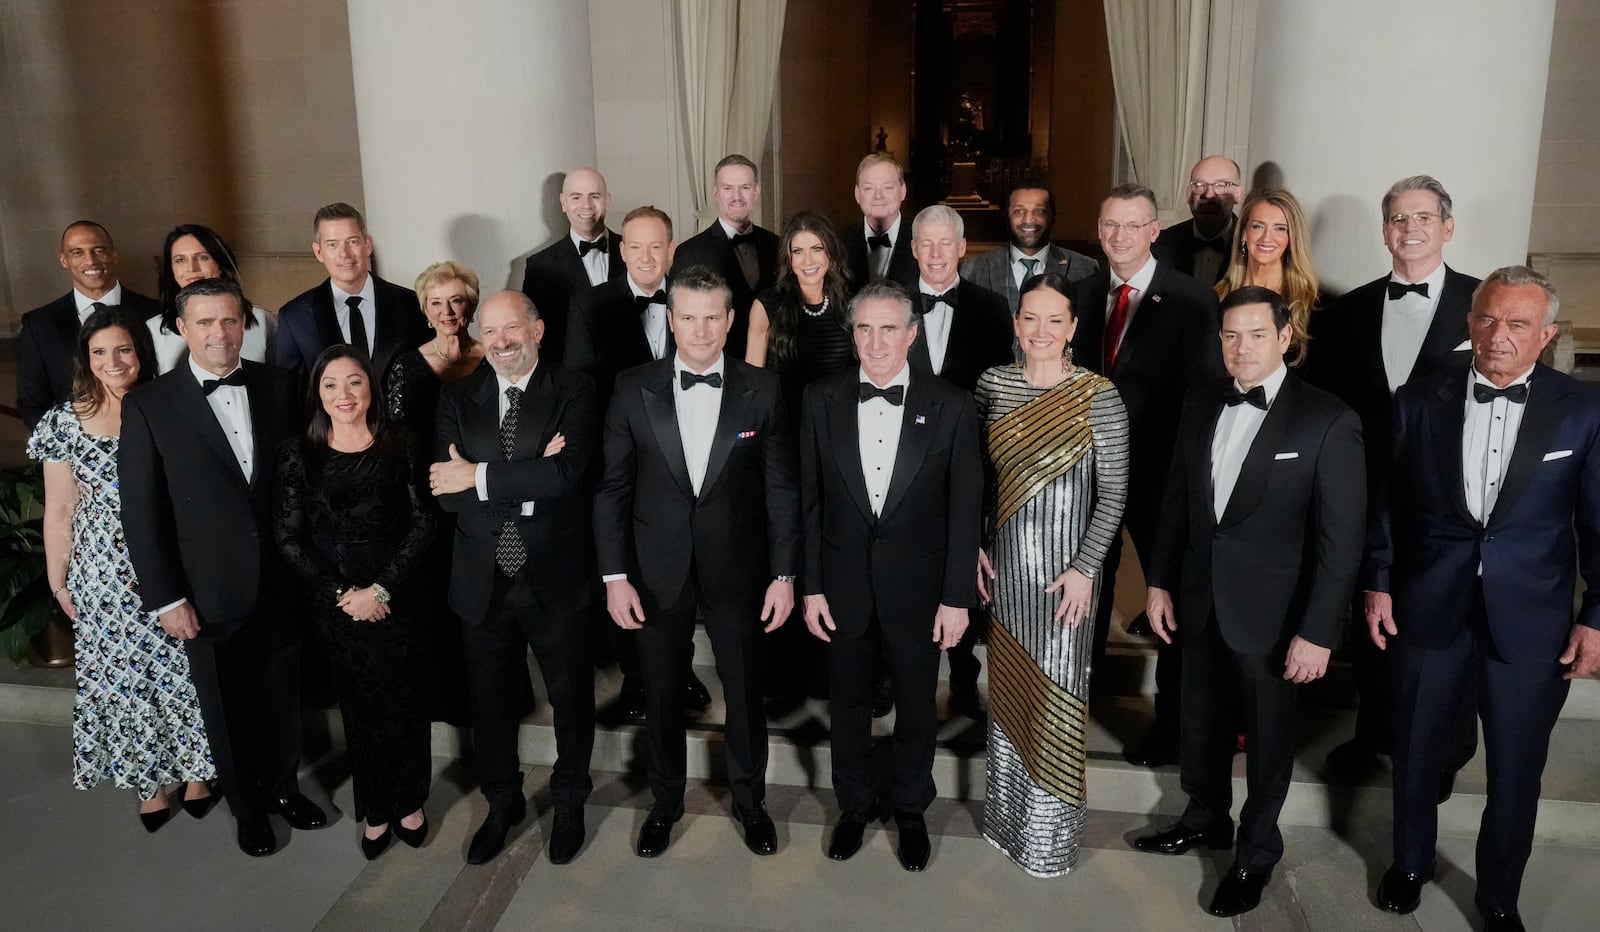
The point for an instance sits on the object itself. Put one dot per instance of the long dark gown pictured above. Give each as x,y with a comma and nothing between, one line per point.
360,520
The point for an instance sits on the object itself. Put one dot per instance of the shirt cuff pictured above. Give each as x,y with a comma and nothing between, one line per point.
613,577
481,480
169,607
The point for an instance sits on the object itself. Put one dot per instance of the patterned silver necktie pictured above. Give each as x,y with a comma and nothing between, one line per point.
510,553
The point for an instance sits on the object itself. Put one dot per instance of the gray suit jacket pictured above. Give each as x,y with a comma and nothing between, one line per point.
992,269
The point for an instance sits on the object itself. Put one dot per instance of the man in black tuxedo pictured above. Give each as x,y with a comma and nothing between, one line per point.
511,445
351,306
196,462
1260,540
964,329
1153,331
587,256
1200,245
1490,515
745,255
891,489
1387,333
879,248
49,334
1030,217
699,508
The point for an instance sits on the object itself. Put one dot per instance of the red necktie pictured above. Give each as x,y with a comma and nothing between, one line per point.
1119,319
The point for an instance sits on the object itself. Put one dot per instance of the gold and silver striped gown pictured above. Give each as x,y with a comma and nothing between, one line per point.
1060,473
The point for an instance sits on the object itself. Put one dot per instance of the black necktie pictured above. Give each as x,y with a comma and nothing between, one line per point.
873,242
1483,394
1398,290
584,246
237,378
1256,396
358,326
643,302
894,394
929,300
689,380
509,552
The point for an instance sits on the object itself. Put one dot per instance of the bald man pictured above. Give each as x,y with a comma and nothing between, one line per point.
585,257
1199,246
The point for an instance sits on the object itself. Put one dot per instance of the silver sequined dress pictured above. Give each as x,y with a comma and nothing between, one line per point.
1059,476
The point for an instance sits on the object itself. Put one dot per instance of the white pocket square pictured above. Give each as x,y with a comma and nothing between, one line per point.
1465,345
1286,456
1557,455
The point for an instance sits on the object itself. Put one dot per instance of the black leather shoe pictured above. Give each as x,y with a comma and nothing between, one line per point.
847,835
1180,838
632,699
255,836
1139,627
1495,920
696,697
372,847
656,834
914,848
491,835
413,837
760,835
199,808
1353,760
154,820
1447,786
1400,891
966,701
1239,892
1158,749
883,698
299,812
566,836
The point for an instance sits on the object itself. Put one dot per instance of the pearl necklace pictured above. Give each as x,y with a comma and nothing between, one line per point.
821,308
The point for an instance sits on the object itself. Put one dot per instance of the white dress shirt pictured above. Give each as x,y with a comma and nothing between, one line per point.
879,438
655,321
698,407
368,308
1019,269
1487,439
1405,326
878,259
86,304
936,322
481,474
595,262
231,405
1237,427
1141,284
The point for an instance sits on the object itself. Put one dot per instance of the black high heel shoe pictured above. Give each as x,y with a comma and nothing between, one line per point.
412,836
372,847
199,807
154,820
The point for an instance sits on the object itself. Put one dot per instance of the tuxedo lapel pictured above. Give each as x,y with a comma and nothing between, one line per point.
260,425
1539,423
1450,422
572,265
920,420
844,422
482,420
920,355
1252,481
614,266
65,320
385,325
531,417
1366,324
1447,328
731,417
325,317
198,411
660,408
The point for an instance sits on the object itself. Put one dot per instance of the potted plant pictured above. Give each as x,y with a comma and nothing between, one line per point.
30,619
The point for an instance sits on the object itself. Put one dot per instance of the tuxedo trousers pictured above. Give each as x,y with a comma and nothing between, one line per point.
247,681
1169,658
1519,705
1374,681
853,663
1221,689
497,666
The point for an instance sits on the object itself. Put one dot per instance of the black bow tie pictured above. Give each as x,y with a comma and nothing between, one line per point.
643,302
1256,396
949,298
739,239
873,242
1516,394
585,247
689,380
1398,290
894,394
211,385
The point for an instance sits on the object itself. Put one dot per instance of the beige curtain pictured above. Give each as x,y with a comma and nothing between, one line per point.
1158,63
728,69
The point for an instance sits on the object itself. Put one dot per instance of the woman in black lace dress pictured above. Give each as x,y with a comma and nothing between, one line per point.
350,522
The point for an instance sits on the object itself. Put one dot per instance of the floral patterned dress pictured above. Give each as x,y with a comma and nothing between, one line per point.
135,720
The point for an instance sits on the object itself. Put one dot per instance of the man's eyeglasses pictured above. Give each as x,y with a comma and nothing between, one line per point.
1422,219
1220,187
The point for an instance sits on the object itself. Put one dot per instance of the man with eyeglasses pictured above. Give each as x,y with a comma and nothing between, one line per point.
1152,330
1199,246
1387,333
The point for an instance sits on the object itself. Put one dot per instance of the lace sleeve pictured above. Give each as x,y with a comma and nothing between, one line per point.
291,528
394,389
419,532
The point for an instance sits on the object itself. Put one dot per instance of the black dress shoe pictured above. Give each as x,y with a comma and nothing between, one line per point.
1400,891
491,835
696,697
1239,892
372,847
299,812
760,835
255,836
566,836
966,701
199,808
1158,749
1180,838
846,840
914,847
656,834
413,837
1495,920
154,820
632,699
1353,760
1139,627
883,698
1447,786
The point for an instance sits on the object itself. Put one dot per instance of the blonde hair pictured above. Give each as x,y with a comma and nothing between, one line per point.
441,272
878,158
1300,287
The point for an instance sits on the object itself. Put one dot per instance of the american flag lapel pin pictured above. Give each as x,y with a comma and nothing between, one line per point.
922,419
1155,298
746,434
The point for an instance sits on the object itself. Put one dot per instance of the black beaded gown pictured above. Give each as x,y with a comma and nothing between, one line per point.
359,520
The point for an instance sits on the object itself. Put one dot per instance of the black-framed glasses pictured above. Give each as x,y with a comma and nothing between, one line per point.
1220,187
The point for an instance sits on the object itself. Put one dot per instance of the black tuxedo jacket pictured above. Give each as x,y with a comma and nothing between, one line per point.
605,335
921,551
557,401
1346,354
902,264
981,335
711,248
1425,548
743,528
46,347
307,325
1283,560
1177,245
197,527
553,277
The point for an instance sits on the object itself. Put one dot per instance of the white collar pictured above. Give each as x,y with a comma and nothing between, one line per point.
927,289
1434,280
1018,255
520,384
604,237
638,292
203,375
893,232
718,367
1477,377
730,232
366,294
1269,385
1140,280
85,303
903,377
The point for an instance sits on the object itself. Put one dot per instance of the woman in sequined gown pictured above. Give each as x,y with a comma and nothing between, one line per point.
135,719
1056,439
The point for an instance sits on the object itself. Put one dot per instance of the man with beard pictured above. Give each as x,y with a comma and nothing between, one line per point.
743,254
1030,215
1199,246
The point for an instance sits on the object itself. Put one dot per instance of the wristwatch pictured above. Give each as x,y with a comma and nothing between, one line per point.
787,579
